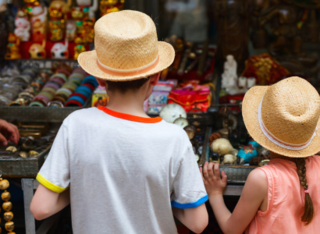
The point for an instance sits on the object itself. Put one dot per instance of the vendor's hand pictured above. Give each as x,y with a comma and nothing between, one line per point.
212,180
8,132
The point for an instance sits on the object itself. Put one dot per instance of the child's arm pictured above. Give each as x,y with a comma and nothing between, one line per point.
196,219
46,203
253,194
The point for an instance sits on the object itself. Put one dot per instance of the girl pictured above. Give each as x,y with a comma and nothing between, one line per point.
282,197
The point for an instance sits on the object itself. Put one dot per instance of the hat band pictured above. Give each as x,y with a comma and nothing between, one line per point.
276,140
128,72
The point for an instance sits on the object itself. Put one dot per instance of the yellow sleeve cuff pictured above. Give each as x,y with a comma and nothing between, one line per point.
49,185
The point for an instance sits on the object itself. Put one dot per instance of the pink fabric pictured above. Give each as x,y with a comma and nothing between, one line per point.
286,199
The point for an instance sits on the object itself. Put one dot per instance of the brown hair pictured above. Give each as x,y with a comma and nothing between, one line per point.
308,206
125,86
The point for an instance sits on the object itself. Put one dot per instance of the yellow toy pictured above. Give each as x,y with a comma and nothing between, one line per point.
79,47
13,48
58,9
38,51
57,28
88,31
108,6
58,14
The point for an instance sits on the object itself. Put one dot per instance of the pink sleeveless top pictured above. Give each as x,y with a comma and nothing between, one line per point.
286,199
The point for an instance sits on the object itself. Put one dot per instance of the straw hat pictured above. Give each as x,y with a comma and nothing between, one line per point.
126,48
284,117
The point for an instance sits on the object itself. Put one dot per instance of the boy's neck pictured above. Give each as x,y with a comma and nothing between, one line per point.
129,103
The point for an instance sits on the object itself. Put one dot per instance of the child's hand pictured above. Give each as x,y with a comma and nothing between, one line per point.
212,180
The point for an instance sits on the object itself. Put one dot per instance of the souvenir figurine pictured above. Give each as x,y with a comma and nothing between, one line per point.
60,50
229,159
229,76
251,81
78,16
88,31
79,47
56,30
13,47
84,6
71,30
108,6
57,11
222,147
38,21
30,5
37,51
246,153
22,26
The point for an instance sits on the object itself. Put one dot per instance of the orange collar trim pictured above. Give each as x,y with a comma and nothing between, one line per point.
130,117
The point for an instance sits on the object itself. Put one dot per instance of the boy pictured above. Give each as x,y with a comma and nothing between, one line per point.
125,172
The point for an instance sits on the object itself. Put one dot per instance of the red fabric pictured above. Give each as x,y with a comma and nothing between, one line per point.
191,100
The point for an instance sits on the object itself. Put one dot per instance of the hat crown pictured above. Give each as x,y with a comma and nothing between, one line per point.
126,40
290,110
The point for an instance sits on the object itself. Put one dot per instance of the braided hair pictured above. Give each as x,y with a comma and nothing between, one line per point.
308,206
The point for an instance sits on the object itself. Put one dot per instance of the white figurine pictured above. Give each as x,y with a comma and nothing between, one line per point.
251,82
22,28
60,51
229,76
38,19
242,82
71,30
92,9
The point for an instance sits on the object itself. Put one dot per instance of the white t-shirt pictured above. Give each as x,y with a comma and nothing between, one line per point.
124,172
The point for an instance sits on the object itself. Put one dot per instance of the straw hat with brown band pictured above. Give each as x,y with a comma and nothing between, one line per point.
126,48
284,117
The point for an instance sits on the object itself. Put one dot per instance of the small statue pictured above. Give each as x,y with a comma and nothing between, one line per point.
79,47
246,153
58,9
229,76
71,30
37,51
56,30
245,83
108,6
30,5
229,159
13,47
222,147
22,26
38,21
84,5
88,31
58,13
60,51
251,81
78,16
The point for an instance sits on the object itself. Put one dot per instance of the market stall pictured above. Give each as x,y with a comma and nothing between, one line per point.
217,61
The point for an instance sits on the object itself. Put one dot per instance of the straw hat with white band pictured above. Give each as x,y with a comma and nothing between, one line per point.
126,48
284,117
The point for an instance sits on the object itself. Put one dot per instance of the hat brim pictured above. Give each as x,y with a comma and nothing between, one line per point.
250,108
88,61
